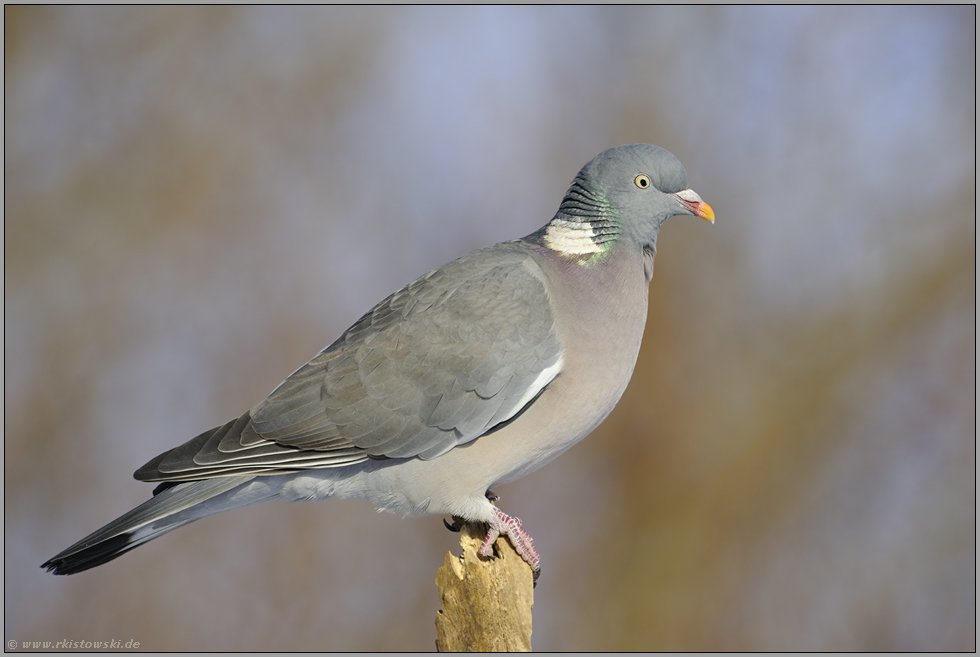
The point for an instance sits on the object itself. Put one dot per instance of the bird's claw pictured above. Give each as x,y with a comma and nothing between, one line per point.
456,526
502,524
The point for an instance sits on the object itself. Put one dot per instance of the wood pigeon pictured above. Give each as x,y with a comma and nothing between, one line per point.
476,374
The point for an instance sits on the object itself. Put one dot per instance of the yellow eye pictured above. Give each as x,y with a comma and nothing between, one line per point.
642,181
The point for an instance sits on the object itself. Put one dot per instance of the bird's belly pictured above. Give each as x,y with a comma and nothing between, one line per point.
569,410
455,482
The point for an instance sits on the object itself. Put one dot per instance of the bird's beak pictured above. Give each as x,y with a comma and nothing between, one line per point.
690,200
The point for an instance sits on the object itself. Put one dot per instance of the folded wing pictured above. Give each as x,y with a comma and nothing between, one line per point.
438,363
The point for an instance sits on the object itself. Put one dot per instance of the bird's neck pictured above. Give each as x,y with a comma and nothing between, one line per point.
578,244
577,236
586,224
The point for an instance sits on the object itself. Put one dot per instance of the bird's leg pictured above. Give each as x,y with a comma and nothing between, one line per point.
503,524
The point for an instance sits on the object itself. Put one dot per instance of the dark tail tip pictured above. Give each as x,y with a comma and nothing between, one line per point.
78,558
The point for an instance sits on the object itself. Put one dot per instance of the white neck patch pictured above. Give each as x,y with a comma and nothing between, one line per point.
570,237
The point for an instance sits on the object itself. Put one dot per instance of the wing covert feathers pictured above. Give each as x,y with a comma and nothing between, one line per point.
436,364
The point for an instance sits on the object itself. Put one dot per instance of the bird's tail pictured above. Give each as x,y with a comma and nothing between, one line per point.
172,506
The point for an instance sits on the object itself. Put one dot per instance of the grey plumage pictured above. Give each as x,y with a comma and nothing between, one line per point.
473,375
171,508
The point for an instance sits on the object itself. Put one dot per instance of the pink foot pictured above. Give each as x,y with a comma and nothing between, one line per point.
504,525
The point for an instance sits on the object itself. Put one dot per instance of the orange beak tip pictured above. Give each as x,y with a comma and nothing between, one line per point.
705,212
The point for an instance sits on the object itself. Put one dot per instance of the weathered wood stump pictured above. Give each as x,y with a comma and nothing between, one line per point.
486,603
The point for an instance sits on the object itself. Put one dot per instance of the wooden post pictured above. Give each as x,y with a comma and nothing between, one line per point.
486,603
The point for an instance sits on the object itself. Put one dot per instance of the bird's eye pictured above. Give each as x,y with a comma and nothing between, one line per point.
642,181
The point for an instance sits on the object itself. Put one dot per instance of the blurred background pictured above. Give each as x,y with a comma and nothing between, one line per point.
197,201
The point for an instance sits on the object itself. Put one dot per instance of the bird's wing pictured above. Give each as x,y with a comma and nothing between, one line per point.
437,364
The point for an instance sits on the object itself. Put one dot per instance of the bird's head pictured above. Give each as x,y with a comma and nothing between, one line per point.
624,193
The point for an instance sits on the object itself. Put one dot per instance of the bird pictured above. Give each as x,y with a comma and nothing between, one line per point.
472,376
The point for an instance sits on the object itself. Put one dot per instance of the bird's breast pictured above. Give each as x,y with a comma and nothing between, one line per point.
600,314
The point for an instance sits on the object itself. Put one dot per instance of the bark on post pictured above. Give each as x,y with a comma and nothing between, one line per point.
486,603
